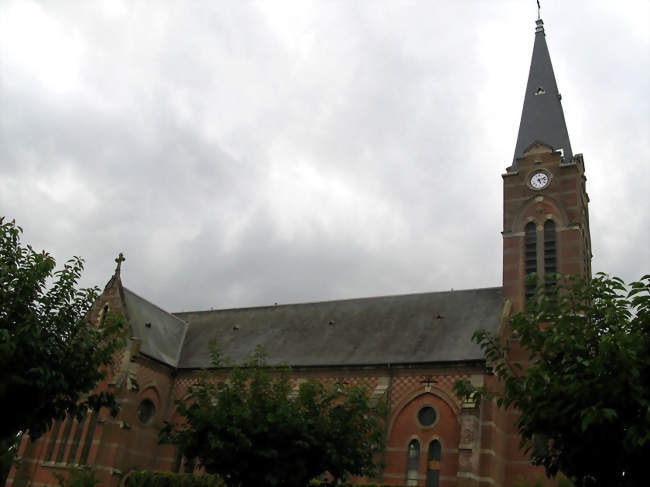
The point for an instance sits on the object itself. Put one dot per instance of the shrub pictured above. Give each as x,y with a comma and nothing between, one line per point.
165,479
317,483
78,477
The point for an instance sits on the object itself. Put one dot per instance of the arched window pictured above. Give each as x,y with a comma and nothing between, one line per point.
65,436
178,459
550,252
530,255
146,411
102,316
433,464
413,463
54,436
88,439
76,439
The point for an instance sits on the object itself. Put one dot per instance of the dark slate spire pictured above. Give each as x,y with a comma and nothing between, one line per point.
542,118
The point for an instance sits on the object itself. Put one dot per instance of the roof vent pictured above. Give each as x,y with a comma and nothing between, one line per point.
147,324
540,91
235,327
332,322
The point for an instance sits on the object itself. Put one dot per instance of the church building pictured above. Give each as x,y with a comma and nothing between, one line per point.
406,349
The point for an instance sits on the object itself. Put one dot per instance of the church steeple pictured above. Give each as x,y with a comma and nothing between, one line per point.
542,118
545,202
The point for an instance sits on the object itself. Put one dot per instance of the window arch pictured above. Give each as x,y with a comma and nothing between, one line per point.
530,255
413,462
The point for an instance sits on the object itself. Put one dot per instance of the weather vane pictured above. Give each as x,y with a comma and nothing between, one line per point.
539,8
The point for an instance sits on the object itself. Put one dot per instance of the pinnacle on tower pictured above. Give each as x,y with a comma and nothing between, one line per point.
542,118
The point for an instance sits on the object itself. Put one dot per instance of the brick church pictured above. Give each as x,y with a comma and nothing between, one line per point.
407,349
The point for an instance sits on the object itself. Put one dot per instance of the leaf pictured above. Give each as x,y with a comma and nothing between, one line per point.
51,355
578,374
609,414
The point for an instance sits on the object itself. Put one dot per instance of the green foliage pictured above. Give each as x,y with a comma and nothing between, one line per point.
585,397
521,482
316,483
253,428
562,481
165,479
51,356
78,477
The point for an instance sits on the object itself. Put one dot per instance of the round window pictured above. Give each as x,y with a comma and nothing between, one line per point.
427,416
146,410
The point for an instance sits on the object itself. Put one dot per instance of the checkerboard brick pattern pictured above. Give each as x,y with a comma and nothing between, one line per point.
406,386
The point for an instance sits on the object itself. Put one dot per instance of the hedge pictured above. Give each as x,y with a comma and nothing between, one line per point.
165,479
315,483
349,484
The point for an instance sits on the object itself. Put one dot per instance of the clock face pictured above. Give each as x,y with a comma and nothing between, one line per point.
539,180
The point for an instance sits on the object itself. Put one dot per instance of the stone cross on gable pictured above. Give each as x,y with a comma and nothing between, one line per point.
428,382
120,258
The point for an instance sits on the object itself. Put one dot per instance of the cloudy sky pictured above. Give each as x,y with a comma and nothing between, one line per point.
245,153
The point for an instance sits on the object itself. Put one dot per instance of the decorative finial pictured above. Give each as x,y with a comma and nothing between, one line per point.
120,258
539,8
539,26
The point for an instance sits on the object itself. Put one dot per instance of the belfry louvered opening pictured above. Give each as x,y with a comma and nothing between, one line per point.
530,256
550,252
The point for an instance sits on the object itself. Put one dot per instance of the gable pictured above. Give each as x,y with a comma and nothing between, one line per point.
537,147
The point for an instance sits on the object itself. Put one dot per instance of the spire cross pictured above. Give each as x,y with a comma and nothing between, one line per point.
120,258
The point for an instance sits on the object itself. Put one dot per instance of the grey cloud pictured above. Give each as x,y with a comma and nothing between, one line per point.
242,155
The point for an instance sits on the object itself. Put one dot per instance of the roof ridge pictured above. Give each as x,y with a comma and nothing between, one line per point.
305,303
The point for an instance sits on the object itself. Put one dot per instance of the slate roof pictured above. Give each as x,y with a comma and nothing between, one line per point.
407,329
542,117
163,339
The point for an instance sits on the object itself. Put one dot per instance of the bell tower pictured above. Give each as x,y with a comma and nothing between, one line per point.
545,214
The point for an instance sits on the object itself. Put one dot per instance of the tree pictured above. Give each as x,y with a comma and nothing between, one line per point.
584,397
253,427
51,355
